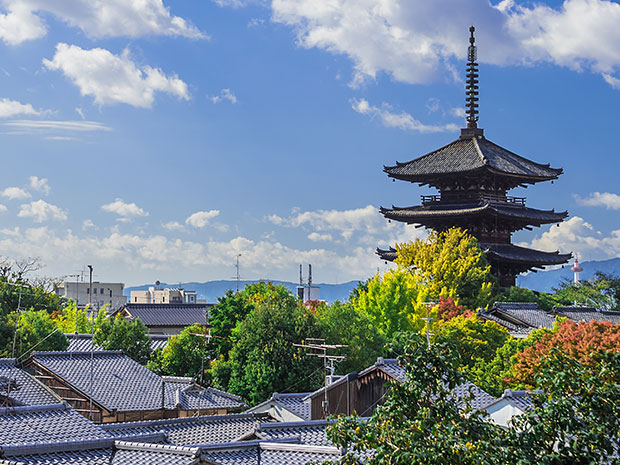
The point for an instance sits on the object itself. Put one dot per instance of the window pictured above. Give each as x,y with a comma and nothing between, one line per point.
136,299
88,290
110,292
101,291
94,290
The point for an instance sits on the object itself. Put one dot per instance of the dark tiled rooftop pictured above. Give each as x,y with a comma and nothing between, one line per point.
183,392
84,342
309,432
293,402
169,314
24,389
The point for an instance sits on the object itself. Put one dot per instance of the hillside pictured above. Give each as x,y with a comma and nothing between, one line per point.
211,290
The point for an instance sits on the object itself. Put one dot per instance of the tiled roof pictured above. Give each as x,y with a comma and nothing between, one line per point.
523,314
479,398
84,342
119,383
424,213
309,432
588,314
509,253
390,366
520,399
268,453
168,314
293,402
472,154
100,452
45,423
24,389
193,430
183,392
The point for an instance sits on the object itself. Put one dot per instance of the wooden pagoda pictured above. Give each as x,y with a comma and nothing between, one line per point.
473,176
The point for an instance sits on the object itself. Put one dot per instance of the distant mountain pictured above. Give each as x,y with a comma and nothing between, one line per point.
545,281
211,290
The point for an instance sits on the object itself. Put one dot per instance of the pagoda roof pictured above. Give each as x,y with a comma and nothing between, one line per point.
420,213
505,254
471,154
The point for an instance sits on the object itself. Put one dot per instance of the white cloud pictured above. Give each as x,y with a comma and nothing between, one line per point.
225,94
418,41
230,3
401,120
111,79
97,19
41,211
600,199
201,219
30,126
15,193
612,81
174,226
123,209
317,237
9,108
40,184
87,224
3,208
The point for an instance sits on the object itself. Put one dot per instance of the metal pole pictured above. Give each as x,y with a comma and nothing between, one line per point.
238,276
428,328
19,302
77,297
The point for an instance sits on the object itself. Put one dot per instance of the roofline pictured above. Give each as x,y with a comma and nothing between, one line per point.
172,421
139,446
51,447
235,445
34,408
293,424
73,354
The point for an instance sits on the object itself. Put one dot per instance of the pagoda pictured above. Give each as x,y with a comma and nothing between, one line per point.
473,176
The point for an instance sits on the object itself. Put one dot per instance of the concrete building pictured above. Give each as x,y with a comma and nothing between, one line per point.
110,294
161,295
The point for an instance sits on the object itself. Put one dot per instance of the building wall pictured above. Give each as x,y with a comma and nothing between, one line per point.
110,294
157,295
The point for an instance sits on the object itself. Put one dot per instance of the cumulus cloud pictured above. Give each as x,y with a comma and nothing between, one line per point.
40,184
111,18
41,211
87,224
418,41
3,208
225,94
112,79
201,219
400,120
173,226
10,108
123,209
600,199
14,193
317,237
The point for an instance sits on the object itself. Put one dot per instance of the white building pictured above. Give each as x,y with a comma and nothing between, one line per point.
110,294
160,295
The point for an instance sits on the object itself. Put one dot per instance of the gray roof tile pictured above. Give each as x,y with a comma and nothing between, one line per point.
45,423
24,389
132,453
183,392
524,314
169,314
193,430
296,403
84,342
588,314
309,432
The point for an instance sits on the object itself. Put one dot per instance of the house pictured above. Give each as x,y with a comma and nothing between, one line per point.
362,392
285,407
84,342
108,386
18,387
510,404
519,318
110,294
167,319
161,295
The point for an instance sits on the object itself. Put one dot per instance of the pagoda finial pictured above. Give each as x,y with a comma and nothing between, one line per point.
472,89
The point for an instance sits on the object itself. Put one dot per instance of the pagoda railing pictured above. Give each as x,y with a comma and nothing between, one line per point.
494,198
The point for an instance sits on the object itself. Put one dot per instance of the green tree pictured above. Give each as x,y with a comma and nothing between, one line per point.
121,334
471,338
602,292
35,331
65,319
230,309
449,264
392,302
421,422
183,354
519,294
340,323
263,359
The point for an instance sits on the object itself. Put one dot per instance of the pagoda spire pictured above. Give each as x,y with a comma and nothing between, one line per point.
472,81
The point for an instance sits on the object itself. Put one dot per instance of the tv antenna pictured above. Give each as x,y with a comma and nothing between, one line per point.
320,349
238,277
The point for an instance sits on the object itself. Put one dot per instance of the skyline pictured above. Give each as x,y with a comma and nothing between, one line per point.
156,141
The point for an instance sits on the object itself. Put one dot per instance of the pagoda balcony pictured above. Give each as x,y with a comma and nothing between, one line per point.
488,197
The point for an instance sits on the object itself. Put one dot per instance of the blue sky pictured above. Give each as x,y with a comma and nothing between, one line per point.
157,140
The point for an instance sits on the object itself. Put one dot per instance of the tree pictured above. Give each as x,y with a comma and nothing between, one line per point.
449,264
471,339
448,309
421,422
183,354
263,359
121,334
392,303
65,319
602,292
340,323
35,331
519,294
580,341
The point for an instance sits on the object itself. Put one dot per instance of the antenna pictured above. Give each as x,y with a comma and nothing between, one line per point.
238,277
309,275
472,81
301,275
329,361
428,319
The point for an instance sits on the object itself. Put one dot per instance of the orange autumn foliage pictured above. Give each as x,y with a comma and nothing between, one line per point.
578,340
447,309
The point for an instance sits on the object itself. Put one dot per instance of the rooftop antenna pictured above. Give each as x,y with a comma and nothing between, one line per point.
301,275
329,361
309,275
238,277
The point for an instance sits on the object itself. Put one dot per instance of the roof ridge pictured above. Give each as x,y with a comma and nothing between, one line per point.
310,448
56,446
483,159
293,424
74,354
247,444
34,408
167,421
141,446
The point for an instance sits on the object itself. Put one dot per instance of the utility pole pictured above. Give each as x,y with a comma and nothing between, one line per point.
238,277
329,361
428,319
207,339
